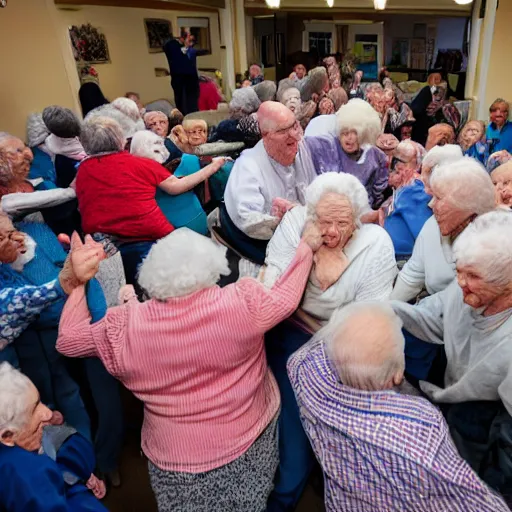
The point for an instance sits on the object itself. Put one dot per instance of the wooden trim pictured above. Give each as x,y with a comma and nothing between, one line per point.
354,14
192,6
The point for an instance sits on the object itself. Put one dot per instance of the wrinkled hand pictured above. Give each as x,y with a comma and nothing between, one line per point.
180,134
97,487
329,265
280,206
57,418
126,293
370,217
312,236
82,262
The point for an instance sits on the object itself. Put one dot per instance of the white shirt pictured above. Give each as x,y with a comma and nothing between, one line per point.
369,275
256,180
321,126
478,348
431,265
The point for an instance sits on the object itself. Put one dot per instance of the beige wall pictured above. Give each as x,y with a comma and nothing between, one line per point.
38,68
33,74
132,67
499,77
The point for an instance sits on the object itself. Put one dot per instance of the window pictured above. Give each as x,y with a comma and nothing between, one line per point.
200,29
322,41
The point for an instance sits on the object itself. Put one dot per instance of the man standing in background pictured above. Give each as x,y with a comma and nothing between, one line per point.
182,57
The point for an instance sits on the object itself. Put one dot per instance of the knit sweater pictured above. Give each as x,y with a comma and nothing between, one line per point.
197,363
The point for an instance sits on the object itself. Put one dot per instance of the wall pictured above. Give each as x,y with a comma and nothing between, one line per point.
33,72
499,76
450,34
132,66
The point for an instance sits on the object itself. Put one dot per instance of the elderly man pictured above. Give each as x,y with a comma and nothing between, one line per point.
381,445
278,167
472,319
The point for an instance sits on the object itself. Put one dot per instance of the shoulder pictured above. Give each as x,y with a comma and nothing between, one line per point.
430,230
376,236
322,143
16,462
249,161
377,154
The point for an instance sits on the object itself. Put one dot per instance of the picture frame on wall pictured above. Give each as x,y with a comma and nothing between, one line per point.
89,44
158,32
200,29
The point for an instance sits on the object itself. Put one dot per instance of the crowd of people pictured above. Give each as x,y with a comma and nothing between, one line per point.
324,278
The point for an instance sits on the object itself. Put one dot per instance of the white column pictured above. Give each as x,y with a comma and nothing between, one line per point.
487,34
228,55
242,40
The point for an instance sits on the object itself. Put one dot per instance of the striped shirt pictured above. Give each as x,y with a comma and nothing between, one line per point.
382,451
196,362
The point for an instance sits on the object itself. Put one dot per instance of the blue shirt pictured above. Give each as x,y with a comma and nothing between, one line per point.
503,137
410,212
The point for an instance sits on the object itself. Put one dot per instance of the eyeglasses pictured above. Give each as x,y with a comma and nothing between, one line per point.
294,128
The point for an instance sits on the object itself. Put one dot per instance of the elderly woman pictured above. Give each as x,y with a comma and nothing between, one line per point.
438,155
289,96
353,151
502,180
404,214
210,436
500,128
440,135
116,191
48,467
158,123
183,210
471,318
266,90
355,263
472,141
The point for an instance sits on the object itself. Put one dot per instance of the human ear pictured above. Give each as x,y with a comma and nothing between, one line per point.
398,378
7,437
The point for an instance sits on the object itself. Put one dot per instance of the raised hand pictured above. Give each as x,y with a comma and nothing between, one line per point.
312,236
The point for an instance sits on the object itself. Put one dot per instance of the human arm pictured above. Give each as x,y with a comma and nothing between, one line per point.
175,186
266,308
423,320
411,279
21,203
380,179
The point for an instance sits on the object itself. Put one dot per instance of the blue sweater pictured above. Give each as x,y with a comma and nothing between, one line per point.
35,483
502,137
409,214
42,167
45,267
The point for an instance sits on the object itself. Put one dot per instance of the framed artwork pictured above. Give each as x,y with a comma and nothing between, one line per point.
400,52
158,32
89,44
418,53
200,29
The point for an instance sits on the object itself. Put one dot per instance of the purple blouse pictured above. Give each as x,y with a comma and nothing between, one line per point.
371,169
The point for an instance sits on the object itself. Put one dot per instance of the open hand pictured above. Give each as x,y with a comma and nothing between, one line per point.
312,236
280,207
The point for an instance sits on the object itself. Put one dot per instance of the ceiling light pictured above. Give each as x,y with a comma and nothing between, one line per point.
379,5
463,2
273,4
330,3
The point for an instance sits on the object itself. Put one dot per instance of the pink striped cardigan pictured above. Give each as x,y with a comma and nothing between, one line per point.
197,363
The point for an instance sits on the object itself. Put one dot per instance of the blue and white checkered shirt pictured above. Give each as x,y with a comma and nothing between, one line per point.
382,451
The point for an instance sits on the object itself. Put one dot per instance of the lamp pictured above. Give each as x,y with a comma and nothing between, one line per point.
463,2
273,4
379,5
330,3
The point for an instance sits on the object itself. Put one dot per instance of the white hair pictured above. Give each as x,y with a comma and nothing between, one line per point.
468,185
360,116
128,125
182,263
486,244
14,387
338,183
439,155
128,107
149,145
366,355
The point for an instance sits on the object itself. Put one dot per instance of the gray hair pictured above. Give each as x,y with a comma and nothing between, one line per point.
366,355
338,183
14,387
127,124
360,116
198,263
314,83
244,102
62,122
37,131
265,90
128,107
486,244
102,135
284,85
468,185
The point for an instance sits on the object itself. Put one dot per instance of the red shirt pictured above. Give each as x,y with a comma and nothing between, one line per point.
116,195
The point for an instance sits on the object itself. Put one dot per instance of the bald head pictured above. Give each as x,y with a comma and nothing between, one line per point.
274,116
365,342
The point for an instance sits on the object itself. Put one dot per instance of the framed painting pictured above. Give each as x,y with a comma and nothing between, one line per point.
158,32
89,44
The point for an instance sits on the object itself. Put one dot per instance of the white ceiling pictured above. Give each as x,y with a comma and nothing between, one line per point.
364,5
